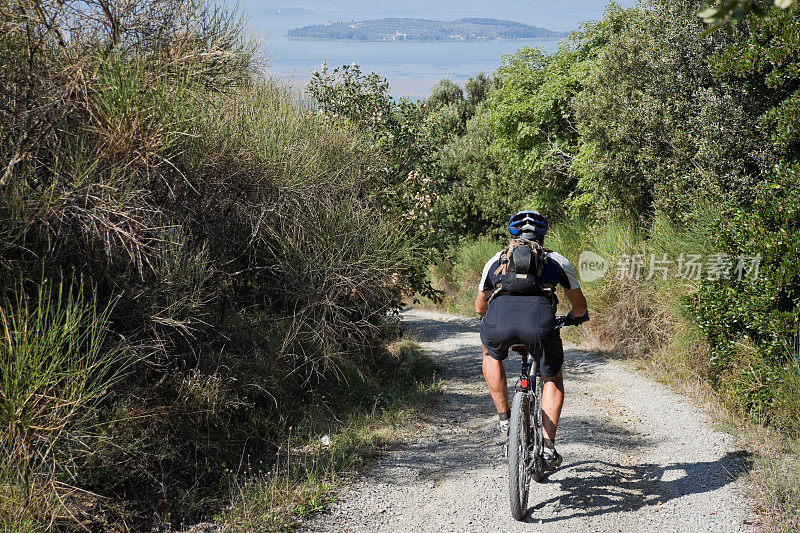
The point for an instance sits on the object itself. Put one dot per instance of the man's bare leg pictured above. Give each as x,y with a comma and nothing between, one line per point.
495,374
552,402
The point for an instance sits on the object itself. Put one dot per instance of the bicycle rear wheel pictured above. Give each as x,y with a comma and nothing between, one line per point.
518,435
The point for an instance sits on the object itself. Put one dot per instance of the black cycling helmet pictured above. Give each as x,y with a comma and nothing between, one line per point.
528,224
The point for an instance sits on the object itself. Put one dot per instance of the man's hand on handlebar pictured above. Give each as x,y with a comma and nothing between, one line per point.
569,320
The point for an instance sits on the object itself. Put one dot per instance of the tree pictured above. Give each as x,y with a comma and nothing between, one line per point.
658,131
445,92
721,13
481,195
478,88
412,178
533,117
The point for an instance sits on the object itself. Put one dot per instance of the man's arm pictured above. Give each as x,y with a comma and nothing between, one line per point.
481,305
578,301
572,286
485,287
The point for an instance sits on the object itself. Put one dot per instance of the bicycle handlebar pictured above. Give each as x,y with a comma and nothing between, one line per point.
561,320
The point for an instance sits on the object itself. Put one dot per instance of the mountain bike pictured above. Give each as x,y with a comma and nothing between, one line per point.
525,459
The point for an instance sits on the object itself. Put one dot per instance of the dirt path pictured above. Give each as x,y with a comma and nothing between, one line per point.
632,461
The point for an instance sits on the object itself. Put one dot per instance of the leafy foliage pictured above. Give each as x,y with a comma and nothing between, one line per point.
409,180
533,117
762,316
652,140
722,13
481,194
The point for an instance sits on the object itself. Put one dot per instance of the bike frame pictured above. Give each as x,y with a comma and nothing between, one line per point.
530,384
525,445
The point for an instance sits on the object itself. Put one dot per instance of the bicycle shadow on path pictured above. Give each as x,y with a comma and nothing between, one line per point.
592,488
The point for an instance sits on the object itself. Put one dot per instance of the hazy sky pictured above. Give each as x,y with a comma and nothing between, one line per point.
552,14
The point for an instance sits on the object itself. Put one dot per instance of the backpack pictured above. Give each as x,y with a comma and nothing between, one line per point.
521,265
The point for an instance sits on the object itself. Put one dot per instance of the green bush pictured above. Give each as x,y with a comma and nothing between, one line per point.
753,326
763,313
481,196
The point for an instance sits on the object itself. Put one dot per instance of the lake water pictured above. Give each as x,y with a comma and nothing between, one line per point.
411,68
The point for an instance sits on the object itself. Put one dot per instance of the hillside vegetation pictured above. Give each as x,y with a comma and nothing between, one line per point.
200,270
191,265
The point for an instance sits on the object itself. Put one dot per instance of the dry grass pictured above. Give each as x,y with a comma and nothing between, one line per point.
776,477
236,231
457,276
311,464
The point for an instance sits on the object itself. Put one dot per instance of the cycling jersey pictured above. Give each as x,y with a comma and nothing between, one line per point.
557,271
529,320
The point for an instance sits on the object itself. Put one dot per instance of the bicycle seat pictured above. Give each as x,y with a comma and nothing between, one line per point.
519,348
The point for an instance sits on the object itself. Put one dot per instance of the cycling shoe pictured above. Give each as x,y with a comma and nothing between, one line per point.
552,459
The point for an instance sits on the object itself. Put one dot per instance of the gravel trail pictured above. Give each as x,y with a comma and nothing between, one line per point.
637,456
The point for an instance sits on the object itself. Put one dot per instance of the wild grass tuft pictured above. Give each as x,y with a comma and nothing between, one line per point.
55,367
777,481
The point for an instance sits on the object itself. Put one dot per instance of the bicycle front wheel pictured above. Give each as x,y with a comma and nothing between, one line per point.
518,435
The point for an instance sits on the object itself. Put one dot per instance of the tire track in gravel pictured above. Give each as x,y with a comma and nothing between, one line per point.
637,456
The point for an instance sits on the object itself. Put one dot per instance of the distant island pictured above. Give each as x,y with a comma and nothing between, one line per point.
407,29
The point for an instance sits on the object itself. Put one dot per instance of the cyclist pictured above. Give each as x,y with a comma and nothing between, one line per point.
529,319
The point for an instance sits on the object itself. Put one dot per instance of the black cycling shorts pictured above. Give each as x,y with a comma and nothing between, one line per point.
528,320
